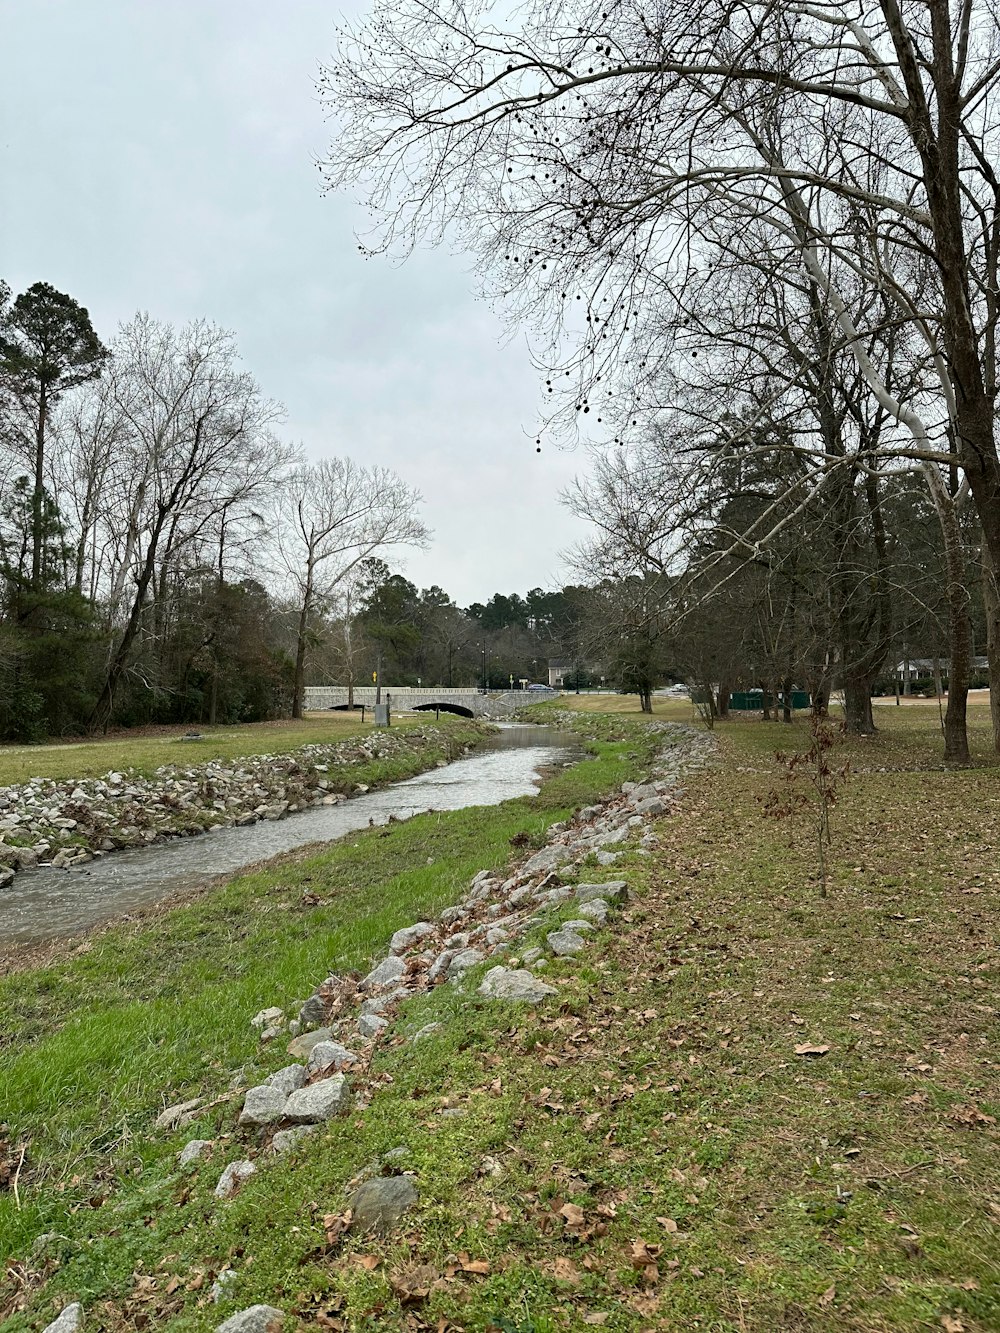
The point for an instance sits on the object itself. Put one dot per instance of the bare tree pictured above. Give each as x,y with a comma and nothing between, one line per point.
333,515
194,443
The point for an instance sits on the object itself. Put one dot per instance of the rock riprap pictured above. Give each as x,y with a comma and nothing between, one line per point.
66,824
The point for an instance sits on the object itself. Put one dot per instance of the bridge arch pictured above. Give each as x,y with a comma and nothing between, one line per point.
444,707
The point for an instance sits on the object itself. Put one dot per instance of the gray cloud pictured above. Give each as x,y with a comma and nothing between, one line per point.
160,156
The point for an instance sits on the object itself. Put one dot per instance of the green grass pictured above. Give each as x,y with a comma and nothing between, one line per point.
99,1044
723,1182
145,753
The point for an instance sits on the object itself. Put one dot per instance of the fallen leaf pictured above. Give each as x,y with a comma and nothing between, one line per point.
595,1318
572,1215
566,1270
807,1048
414,1285
952,1325
828,1295
367,1261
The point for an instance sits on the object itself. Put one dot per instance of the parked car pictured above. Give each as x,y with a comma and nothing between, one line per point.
540,687
676,692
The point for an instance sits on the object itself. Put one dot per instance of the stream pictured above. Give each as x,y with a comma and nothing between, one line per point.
47,904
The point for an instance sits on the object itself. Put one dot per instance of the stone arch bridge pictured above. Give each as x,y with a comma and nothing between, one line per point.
466,702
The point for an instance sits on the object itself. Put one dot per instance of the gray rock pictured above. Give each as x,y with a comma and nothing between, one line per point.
320,1101
71,1319
262,1106
654,806
440,964
553,896
302,1046
176,1116
425,1031
607,858
233,1177
220,1287
577,926
501,983
614,891
460,940
370,1025
286,1139
519,896
564,943
255,1319
547,859
644,792
381,1202
388,972
312,1012
287,1079
529,956
596,909
268,1017
496,935
374,1006
615,836
463,960
328,1055
451,914
192,1150
406,938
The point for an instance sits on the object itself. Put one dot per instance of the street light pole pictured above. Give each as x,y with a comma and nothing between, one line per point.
485,684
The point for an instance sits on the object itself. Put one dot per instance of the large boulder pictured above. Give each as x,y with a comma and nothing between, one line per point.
287,1079
388,972
380,1203
405,939
564,942
518,985
614,891
262,1106
255,1319
329,1055
320,1101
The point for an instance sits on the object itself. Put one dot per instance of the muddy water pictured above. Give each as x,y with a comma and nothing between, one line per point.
47,904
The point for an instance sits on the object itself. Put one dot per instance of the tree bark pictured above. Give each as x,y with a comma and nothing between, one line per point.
37,525
858,714
722,707
956,738
991,604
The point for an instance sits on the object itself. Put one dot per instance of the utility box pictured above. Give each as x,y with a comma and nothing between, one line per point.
381,715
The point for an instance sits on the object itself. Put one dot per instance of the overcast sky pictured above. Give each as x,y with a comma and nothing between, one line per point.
160,155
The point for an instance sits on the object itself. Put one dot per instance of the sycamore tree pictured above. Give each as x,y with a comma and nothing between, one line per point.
332,516
610,164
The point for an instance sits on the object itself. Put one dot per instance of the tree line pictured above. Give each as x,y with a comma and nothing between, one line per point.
164,554
759,247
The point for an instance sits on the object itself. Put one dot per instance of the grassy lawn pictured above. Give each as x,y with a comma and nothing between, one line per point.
647,1152
144,753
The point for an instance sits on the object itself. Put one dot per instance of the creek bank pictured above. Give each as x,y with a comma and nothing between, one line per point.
551,887
337,1028
67,823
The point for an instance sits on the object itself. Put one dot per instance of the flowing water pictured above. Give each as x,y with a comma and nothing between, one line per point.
46,904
